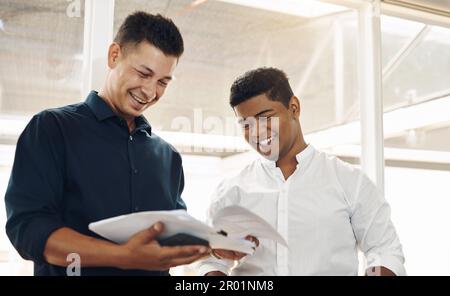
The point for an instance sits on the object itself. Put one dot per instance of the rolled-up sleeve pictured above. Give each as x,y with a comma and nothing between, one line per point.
374,230
34,194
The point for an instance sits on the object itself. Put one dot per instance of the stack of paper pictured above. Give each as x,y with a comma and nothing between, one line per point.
236,221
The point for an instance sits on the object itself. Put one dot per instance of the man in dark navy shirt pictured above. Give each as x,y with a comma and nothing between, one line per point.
98,159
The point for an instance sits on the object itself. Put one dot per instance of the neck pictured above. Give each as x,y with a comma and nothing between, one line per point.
288,163
105,95
131,125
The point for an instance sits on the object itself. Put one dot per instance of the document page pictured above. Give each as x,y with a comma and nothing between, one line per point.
230,227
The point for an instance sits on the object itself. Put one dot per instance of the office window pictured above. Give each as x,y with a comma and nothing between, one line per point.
416,62
224,40
416,97
41,46
41,53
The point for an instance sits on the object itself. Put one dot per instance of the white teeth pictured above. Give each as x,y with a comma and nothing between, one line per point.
266,142
137,99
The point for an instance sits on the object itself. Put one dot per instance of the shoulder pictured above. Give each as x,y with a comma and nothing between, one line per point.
238,180
335,167
60,114
165,147
50,122
350,178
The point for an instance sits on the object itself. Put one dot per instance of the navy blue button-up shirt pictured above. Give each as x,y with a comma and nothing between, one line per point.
79,164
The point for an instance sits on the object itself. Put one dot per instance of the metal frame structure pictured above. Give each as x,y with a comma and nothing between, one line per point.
98,34
370,96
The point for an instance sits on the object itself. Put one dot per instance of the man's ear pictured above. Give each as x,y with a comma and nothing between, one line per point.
294,107
114,53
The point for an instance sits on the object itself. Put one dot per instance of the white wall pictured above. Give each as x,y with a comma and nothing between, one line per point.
420,201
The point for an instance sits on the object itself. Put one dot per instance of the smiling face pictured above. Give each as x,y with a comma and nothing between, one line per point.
268,126
138,77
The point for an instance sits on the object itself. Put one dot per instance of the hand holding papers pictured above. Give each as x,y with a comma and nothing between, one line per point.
230,227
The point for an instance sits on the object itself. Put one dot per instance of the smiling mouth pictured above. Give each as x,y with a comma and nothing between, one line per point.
138,99
265,142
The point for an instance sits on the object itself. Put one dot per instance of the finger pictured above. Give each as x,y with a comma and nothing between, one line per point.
185,251
252,239
224,253
239,254
147,235
232,255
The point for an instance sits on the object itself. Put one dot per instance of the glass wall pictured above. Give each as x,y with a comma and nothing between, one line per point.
416,91
41,53
41,58
416,62
224,40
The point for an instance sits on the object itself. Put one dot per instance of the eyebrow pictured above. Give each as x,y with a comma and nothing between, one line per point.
256,115
153,72
262,112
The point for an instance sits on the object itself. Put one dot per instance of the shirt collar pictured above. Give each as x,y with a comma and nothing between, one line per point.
143,125
102,111
301,157
99,107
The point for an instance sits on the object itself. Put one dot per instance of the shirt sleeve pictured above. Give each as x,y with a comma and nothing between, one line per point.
213,264
372,225
34,194
220,199
178,177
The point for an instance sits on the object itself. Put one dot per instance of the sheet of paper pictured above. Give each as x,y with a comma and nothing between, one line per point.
234,244
120,229
240,222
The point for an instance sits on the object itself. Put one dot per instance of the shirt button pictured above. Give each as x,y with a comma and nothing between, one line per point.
131,138
135,171
136,209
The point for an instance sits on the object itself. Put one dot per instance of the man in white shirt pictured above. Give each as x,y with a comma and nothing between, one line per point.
324,208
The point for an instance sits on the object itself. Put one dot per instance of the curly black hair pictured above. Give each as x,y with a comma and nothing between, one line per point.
269,81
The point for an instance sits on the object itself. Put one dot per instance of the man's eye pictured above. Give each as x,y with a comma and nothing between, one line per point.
142,75
163,83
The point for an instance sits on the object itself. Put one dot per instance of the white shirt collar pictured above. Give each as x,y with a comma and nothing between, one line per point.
301,157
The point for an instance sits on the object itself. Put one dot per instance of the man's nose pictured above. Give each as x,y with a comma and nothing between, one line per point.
260,129
149,90
254,130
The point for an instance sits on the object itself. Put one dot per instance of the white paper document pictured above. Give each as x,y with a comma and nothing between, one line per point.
237,222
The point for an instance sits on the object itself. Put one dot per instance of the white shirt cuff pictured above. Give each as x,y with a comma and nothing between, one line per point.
213,264
393,263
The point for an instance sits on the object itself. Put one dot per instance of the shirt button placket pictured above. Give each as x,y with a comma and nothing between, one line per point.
134,171
283,229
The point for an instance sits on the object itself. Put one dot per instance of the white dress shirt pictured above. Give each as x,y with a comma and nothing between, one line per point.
325,210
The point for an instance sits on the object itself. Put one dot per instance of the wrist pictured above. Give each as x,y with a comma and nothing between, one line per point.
215,273
121,257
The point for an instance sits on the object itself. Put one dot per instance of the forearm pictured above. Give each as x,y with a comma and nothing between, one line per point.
379,271
93,252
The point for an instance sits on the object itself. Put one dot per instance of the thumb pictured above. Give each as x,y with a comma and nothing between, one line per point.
147,235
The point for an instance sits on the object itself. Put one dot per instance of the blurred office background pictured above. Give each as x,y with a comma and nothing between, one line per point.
374,91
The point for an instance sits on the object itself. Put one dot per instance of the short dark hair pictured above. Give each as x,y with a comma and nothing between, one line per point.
269,81
157,30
